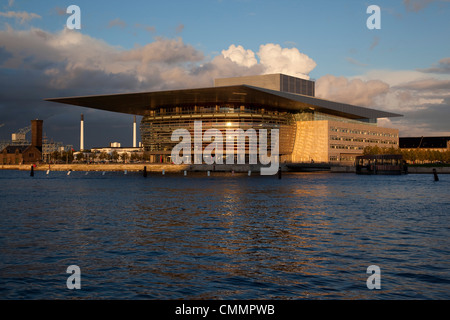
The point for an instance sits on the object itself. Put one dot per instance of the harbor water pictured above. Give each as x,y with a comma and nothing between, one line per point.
223,236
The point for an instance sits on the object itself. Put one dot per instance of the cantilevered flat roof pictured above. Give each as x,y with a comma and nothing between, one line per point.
141,103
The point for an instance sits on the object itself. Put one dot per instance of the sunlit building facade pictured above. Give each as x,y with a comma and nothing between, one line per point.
310,129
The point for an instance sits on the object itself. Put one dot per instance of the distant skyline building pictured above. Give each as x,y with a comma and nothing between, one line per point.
441,144
310,129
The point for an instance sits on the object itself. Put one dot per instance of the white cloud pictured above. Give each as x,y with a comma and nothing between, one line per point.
240,56
443,67
289,61
162,50
424,101
354,91
65,63
20,15
391,77
273,59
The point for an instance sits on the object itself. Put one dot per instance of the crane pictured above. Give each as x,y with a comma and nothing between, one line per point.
20,136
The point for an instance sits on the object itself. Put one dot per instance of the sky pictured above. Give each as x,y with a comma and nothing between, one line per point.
134,46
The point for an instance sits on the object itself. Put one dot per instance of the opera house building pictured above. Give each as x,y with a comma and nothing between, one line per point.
310,129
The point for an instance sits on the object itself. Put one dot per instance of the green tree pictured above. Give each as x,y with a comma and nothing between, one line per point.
367,150
136,156
103,156
114,155
422,155
55,156
146,156
80,156
124,156
446,156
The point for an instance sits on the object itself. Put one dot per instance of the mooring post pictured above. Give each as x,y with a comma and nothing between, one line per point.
279,173
32,171
436,178
145,171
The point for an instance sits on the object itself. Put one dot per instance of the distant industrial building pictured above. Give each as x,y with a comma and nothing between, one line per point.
425,143
25,154
116,146
310,129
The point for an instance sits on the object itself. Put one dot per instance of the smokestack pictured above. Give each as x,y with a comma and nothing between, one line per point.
36,133
134,132
82,133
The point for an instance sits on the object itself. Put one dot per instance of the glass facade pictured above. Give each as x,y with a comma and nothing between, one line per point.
318,116
157,127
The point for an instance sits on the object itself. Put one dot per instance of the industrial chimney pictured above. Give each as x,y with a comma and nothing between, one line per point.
82,133
36,133
134,132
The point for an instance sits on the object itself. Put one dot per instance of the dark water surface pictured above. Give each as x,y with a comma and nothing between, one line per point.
306,236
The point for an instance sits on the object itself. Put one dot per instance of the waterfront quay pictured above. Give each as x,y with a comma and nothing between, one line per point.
173,168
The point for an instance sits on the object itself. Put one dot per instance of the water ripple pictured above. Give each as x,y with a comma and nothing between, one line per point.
307,236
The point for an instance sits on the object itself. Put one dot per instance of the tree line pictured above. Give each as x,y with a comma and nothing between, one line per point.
411,155
69,157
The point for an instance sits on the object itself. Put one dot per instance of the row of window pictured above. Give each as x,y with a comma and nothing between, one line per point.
335,138
342,158
371,133
340,146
